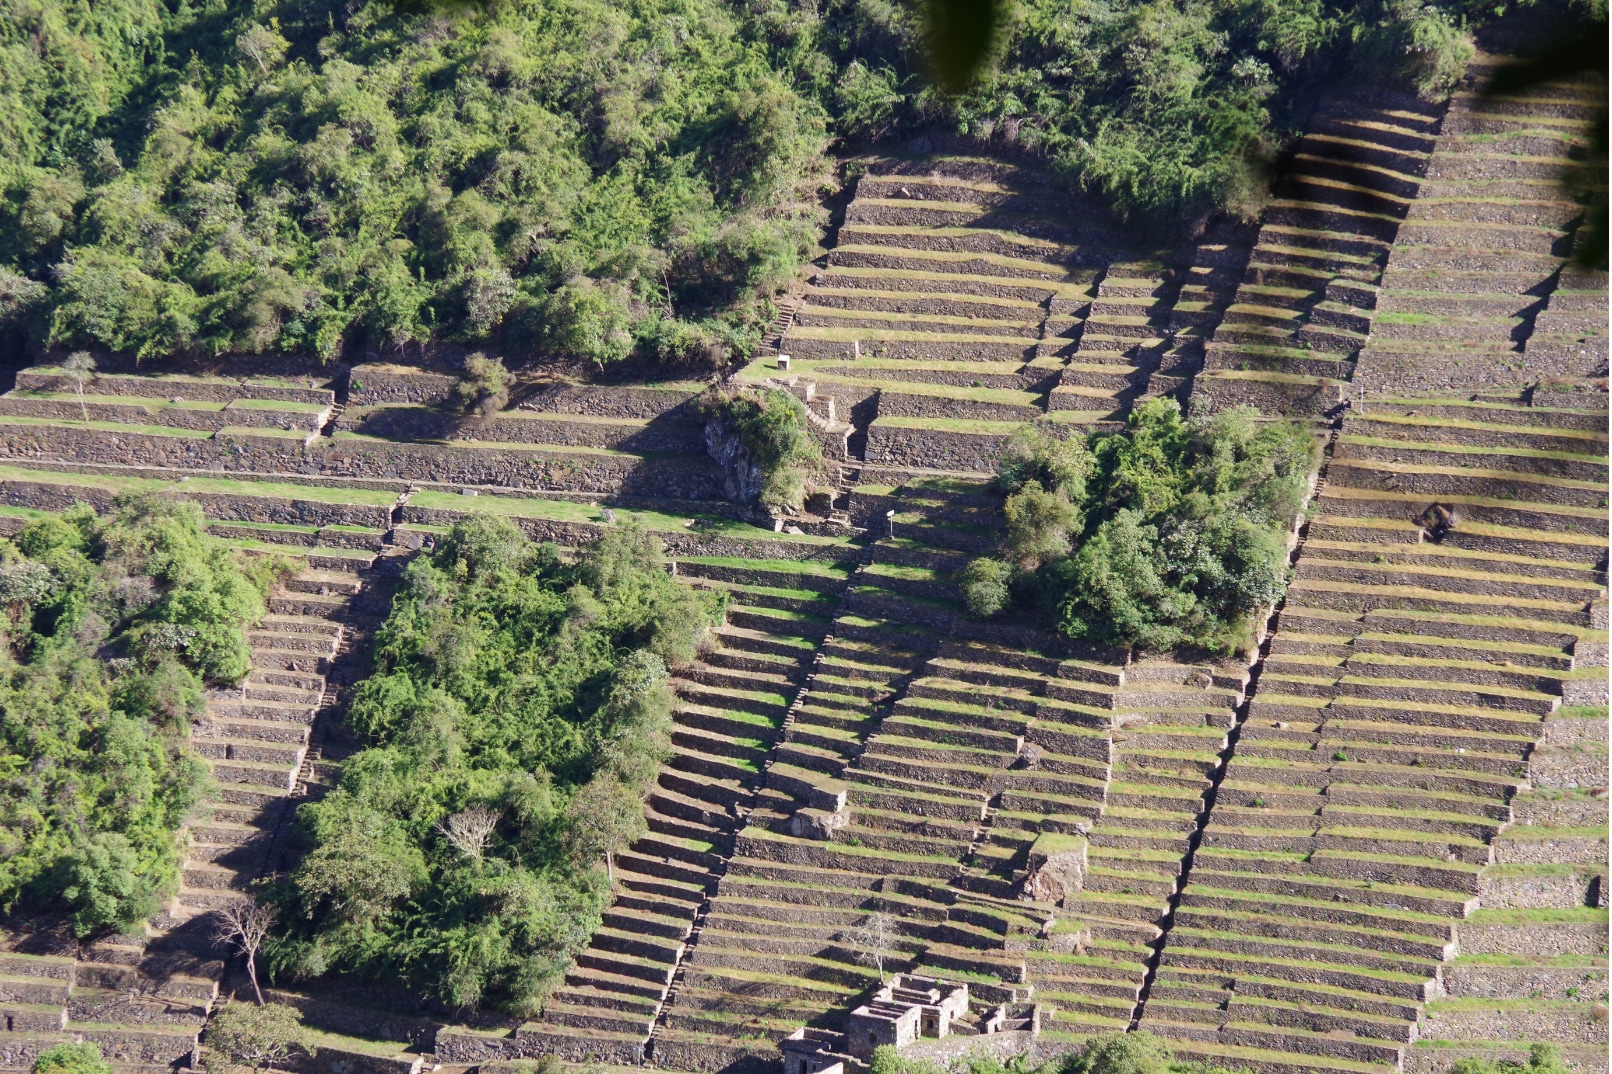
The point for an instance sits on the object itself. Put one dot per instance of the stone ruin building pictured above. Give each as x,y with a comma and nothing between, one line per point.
908,1009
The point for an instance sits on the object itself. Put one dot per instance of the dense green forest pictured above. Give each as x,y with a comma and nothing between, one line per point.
578,178
112,627
517,714
1169,533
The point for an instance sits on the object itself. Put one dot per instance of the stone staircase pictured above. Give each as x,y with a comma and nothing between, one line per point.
255,738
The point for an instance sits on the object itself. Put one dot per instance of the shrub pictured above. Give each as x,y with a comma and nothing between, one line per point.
1040,523
1542,1059
589,321
886,1060
257,1036
72,1057
483,390
1139,1052
1170,533
517,713
985,586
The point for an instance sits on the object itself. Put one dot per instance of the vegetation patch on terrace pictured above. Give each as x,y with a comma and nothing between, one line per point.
113,627
1169,533
518,712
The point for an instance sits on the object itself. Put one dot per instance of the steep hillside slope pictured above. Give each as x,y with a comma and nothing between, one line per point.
1367,851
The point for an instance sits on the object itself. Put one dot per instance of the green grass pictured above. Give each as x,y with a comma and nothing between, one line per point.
1478,451
1586,915
893,570
782,566
894,335
150,404
95,481
282,490
1488,1004
227,431
573,511
942,256
1058,288
1527,832
897,319
276,405
1596,964
949,425
107,427
740,590
267,527
485,445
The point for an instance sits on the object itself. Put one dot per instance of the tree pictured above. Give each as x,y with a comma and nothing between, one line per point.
484,388
81,367
72,1057
101,771
774,431
589,320
873,942
244,926
470,831
256,1036
1040,524
263,45
605,817
517,713
1169,533
104,883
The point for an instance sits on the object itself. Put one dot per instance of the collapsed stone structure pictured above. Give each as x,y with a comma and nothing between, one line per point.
1379,847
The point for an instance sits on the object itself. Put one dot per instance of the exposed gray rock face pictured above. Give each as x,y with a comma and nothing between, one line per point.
741,476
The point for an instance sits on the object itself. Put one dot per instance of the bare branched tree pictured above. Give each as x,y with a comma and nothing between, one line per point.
81,367
471,831
873,941
244,926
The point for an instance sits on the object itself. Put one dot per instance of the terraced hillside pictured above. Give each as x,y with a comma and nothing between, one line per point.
1289,339
965,296
1401,865
144,998
1403,696
1375,848
270,742
1460,301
